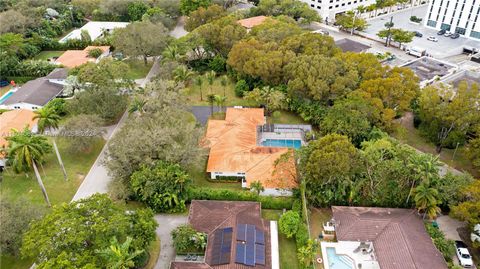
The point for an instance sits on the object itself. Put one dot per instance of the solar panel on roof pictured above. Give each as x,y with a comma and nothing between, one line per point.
259,237
250,233
241,232
250,253
221,247
240,255
259,254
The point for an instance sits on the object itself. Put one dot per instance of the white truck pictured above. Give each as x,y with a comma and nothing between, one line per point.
416,51
464,257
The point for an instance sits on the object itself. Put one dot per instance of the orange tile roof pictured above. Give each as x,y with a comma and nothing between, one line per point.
15,119
233,148
252,22
74,58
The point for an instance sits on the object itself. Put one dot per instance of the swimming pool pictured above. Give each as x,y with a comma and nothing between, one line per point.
338,261
5,97
288,143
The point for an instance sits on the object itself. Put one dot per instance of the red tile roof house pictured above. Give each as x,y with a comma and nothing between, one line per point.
386,238
238,237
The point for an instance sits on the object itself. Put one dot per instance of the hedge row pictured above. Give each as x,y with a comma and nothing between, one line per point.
268,202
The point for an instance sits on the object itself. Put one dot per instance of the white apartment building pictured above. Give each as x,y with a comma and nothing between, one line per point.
329,8
456,16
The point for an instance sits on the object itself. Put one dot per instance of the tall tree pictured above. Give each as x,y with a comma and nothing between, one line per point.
273,99
203,15
257,187
188,6
182,74
220,101
143,39
350,21
199,83
25,150
426,200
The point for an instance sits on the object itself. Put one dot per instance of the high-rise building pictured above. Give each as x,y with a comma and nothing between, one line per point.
456,16
329,8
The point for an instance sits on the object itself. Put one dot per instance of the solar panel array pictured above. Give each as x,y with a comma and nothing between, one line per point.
250,247
222,246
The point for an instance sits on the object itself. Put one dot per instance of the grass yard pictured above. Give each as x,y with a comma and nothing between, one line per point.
288,247
137,68
193,94
10,262
200,177
47,54
318,216
77,165
154,252
411,136
286,117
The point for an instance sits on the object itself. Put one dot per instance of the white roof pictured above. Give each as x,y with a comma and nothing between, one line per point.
95,29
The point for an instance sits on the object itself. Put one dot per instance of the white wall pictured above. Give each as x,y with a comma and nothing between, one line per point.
21,106
328,8
457,14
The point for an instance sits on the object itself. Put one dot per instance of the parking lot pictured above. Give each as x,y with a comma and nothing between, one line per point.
445,46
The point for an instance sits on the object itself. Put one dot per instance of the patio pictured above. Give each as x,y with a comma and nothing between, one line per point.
356,254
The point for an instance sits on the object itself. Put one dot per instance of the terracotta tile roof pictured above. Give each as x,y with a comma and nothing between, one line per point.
74,58
15,119
252,22
233,148
398,235
208,216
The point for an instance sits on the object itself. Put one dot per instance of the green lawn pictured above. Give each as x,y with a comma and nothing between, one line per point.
318,216
411,136
10,262
137,68
153,251
286,117
288,247
59,191
193,93
47,54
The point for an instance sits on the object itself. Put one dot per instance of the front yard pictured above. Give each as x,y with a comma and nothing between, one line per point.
288,247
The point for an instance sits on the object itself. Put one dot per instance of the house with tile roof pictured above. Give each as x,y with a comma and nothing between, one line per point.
237,236
249,23
244,146
74,58
14,120
386,238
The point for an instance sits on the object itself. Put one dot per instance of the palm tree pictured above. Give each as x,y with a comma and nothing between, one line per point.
426,198
25,150
172,53
210,78
425,168
257,187
224,83
48,119
182,73
220,101
211,101
119,256
137,105
199,82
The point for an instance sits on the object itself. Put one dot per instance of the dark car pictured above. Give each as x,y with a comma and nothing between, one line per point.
4,83
455,36
441,32
418,34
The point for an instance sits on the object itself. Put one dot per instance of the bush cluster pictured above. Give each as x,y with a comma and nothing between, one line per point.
445,246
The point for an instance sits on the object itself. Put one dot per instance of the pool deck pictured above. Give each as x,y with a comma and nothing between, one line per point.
347,248
281,136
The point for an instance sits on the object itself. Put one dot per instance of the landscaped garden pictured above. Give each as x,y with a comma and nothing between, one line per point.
48,54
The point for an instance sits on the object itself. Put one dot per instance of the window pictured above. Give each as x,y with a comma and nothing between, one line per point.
475,34
431,23
336,5
460,30
330,7
318,7
312,5
445,26
343,4
349,3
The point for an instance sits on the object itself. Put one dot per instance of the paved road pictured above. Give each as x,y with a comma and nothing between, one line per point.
166,224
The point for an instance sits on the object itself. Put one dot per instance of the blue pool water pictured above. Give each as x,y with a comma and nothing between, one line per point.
288,143
5,97
338,261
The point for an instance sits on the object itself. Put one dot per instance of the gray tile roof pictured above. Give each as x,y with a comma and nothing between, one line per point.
58,73
351,45
37,92
398,235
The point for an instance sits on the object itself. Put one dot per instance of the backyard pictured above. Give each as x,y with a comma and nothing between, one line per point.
47,54
286,117
137,68
288,247
318,216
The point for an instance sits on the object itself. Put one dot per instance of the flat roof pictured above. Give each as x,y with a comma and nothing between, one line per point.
398,235
74,58
233,148
470,77
95,29
427,68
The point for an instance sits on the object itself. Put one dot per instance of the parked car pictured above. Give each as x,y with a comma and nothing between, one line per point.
464,257
447,33
432,38
418,34
4,83
455,36
441,32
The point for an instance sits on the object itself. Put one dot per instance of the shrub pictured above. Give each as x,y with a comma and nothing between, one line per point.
415,19
186,240
218,64
302,235
268,202
32,68
241,87
445,246
162,187
289,222
95,53
58,105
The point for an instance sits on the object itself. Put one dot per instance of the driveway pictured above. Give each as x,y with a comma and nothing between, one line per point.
179,29
449,227
167,223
